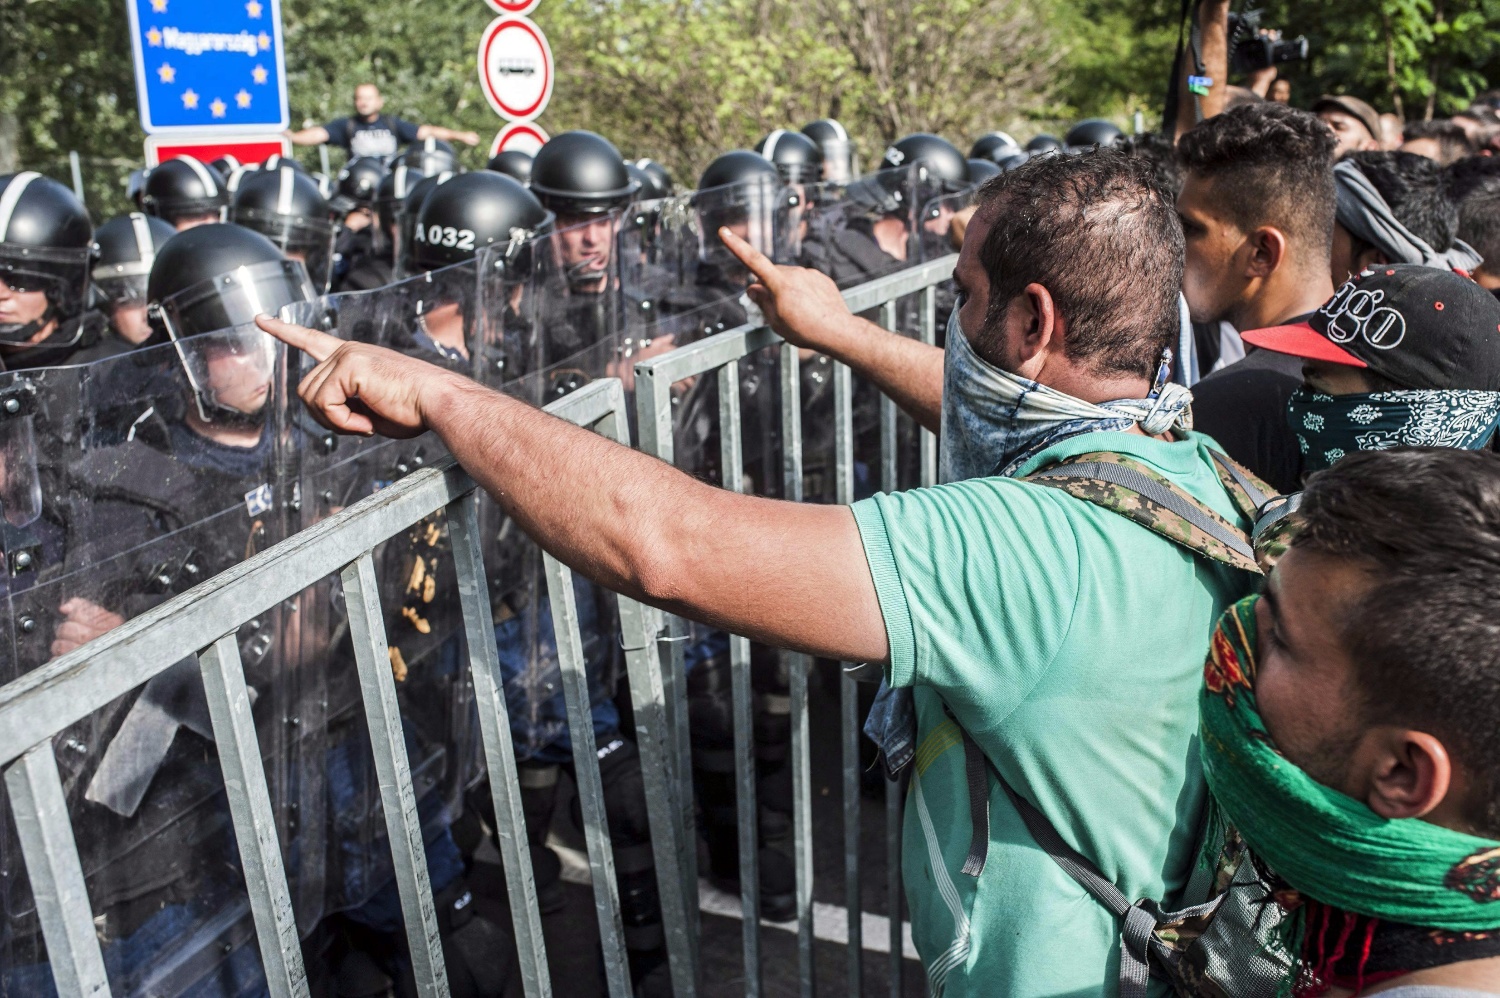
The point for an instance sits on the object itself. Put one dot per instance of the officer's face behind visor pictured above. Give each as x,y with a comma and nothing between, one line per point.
23,299
583,244
125,299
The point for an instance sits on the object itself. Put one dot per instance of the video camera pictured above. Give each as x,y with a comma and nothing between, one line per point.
1250,49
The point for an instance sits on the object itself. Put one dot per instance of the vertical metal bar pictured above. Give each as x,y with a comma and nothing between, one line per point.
76,167
732,466
499,751
52,865
893,893
648,698
653,400
393,770
926,439
797,669
254,822
893,797
843,433
652,738
575,688
323,159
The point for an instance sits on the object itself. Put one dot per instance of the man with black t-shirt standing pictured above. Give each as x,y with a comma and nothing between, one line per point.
367,132
1257,207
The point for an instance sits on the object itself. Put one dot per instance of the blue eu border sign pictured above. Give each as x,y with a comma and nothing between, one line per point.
209,65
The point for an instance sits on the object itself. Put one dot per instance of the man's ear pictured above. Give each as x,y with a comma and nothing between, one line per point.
1268,247
1041,324
1409,775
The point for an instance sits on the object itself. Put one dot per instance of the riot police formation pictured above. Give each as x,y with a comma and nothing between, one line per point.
1091,134
170,450
184,192
124,249
513,163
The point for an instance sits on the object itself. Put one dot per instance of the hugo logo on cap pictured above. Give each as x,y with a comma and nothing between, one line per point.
1357,312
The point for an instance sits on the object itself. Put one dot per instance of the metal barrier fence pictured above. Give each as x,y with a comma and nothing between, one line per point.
40,705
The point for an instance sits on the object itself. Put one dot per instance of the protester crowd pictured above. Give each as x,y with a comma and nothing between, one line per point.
1186,664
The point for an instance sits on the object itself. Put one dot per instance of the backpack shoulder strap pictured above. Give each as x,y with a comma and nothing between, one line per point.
1136,492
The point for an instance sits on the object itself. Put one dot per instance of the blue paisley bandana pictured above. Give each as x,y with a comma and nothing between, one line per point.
1329,427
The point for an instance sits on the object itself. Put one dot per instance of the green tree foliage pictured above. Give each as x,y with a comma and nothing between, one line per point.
681,80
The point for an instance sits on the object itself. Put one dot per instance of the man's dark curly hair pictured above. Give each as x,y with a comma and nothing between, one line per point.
1416,189
1271,165
1103,238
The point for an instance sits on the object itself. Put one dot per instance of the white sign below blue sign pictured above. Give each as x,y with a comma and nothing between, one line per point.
209,65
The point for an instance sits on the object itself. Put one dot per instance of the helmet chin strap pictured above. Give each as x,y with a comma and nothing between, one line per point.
19,335
583,274
228,417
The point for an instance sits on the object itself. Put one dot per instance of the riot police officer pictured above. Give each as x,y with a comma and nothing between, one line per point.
46,243
656,181
353,204
581,178
431,156
839,165
184,192
993,146
376,268
1092,133
513,163
406,221
125,247
286,207
796,157
1044,144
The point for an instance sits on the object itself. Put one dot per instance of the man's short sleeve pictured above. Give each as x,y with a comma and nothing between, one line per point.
405,131
338,132
977,582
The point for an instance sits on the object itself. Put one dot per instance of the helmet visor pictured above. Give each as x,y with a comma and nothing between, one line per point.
747,209
38,285
235,298
230,372
300,237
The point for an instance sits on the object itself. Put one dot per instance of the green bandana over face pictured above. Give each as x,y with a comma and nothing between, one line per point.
1329,846
1330,426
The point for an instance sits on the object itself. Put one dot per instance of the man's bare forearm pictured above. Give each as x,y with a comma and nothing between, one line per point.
907,370
766,569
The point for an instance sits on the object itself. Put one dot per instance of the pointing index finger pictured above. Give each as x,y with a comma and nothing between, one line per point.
315,344
763,269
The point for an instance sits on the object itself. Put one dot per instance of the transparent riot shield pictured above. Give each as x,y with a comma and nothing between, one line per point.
161,469
434,316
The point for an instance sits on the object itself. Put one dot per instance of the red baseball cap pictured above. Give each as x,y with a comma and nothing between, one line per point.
1300,339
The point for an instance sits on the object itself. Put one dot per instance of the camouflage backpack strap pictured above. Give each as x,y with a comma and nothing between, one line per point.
1136,492
1249,492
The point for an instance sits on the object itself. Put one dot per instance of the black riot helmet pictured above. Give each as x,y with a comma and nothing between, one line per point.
740,189
219,276
206,288
288,208
514,163
938,159
391,195
135,187
226,164
838,151
1015,159
981,170
796,157
184,188
357,184
46,240
1092,133
992,146
471,212
406,219
125,247
431,156
656,182
276,161
1043,144
235,177
581,173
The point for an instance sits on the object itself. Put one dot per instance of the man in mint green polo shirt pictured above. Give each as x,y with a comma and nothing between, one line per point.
1066,639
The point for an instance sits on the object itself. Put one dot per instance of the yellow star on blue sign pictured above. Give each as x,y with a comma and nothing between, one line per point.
190,99
263,40
242,99
218,108
253,8
153,37
258,74
160,6
166,72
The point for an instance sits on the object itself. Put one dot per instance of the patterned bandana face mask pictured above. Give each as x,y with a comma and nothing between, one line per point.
1331,426
993,420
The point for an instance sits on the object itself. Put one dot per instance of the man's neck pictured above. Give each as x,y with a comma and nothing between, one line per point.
1284,295
890,236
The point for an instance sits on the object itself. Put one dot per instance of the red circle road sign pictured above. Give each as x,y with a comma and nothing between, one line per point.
521,136
513,6
515,68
